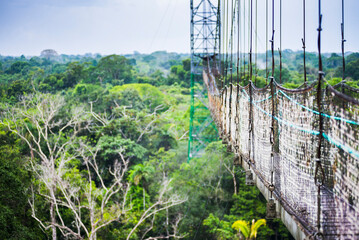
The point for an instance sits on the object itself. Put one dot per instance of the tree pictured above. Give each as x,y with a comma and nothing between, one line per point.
115,67
15,215
248,232
66,167
18,67
49,54
139,174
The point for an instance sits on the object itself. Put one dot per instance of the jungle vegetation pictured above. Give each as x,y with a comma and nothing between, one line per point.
95,147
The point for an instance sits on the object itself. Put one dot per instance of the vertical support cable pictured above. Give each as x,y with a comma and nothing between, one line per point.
251,42
233,9
272,138
304,47
226,43
222,43
343,40
256,45
238,40
273,102
244,38
226,68
218,29
272,40
250,127
233,12
319,172
266,41
280,41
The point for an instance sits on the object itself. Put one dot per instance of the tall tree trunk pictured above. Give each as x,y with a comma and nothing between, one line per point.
53,220
234,181
144,198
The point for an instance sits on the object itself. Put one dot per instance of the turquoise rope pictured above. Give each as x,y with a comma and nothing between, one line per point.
313,132
341,146
266,98
316,112
281,120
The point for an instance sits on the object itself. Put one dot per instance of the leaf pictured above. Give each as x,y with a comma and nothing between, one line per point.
137,179
242,226
255,226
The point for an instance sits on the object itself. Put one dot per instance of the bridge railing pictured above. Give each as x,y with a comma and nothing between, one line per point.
276,131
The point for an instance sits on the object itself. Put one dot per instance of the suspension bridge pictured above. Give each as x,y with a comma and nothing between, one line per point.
299,146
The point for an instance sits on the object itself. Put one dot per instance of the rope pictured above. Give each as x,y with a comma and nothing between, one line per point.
347,149
250,127
310,131
217,43
272,138
266,41
244,36
319,179
238,40
318,113
233,10
343,40
304,47
226,44
265,99
256,45
251,42
272,40
280,41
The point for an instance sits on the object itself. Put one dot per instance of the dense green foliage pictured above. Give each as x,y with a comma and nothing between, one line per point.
102,110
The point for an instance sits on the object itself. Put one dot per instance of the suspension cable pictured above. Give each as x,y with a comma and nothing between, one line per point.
343,40
221,65
244,37
272,138
251,42
218,43
238,40
319,172
304,47
256,45
233,9
266,41
280,41
227,43
272,40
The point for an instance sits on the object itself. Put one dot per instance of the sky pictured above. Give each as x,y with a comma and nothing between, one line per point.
124,26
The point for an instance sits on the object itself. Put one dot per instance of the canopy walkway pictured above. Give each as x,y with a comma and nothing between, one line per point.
275,134
299,146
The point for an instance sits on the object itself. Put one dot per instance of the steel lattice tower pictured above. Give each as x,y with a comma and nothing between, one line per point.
205,40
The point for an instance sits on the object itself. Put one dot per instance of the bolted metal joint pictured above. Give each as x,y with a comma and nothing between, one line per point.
271,209
249,178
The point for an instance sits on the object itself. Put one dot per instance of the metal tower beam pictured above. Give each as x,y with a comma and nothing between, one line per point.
205,44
